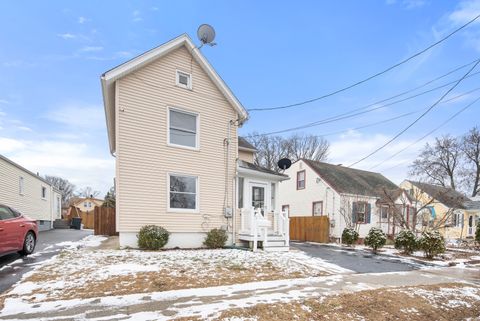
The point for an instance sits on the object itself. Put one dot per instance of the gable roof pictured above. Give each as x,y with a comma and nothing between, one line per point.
243,144
249,167
447,196
347,180
109,78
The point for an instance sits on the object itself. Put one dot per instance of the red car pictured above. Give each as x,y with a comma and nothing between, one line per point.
18,233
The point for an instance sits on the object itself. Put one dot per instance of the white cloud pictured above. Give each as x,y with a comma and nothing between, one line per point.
136,14
4,101
82,20
73,161
414,4
79,116
25,128
67,36
463,13
91,48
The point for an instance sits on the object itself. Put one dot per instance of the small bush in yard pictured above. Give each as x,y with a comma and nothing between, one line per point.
406,241
152,237
431,243
216,239
375,239
349,236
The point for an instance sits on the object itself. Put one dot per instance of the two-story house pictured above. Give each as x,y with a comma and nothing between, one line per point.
173,128
29,193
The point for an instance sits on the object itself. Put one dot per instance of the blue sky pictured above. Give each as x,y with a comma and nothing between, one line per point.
270,53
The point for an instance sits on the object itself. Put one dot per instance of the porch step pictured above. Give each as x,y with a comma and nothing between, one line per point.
277,249
275,246
271,237
61,224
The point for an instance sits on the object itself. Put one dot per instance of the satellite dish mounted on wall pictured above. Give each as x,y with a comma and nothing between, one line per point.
284,163
206,34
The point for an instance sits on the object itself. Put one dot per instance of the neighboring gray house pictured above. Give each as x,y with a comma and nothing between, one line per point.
29,193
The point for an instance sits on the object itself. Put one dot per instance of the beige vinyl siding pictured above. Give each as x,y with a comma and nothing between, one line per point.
30,202
144,158
245,156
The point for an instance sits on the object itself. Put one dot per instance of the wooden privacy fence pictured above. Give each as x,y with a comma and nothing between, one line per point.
310,228
104,221
87,217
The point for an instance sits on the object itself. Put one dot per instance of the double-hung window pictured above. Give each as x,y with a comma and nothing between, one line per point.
301,179
21,185
183,193
44,192
183,128
361,212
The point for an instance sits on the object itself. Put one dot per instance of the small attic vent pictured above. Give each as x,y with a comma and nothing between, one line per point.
184,80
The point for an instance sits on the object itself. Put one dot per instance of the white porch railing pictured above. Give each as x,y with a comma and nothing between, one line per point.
257,225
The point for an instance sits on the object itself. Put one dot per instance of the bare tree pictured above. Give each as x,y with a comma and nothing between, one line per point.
439,164
64,186
88,192
470,146
110,198
270,149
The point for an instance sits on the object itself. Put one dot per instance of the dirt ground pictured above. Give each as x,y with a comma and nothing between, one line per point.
439,302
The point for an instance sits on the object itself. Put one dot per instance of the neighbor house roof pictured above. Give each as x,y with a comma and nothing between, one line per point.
347,180
252,167
243,144
472,205
109,78
447,196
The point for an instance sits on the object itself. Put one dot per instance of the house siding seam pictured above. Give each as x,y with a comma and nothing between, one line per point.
144,158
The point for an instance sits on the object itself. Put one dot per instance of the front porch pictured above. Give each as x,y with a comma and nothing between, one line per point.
268,230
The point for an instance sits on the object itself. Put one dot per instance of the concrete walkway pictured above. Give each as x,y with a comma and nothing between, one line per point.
206,301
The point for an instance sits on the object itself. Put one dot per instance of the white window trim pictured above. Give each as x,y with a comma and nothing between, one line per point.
197,136
177,79
197,193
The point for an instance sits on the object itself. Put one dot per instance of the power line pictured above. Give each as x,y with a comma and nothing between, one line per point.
352,113
396,117
427,134
420,117
373,76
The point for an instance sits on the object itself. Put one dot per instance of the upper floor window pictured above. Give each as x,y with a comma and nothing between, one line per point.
183,128
301,179
184,80
44,192
21,185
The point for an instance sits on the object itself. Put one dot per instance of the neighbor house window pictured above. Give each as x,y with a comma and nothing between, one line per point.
272,197
85,204
21,185
301,179
457,219
384,212
183,129
183,192
184,80
44,192
240,192
317,208
360,212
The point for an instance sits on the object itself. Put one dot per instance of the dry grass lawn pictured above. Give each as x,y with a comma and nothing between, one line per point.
435,302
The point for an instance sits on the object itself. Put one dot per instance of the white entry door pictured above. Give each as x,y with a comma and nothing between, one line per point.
470,225
258,196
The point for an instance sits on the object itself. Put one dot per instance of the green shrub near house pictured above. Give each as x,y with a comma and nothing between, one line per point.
431,243
152,237
349,236
406,241
375,239
216,239
477,234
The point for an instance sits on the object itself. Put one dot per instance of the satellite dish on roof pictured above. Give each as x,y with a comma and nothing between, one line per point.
284,163
206,34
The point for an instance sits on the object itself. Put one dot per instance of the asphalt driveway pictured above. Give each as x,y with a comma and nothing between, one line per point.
13,266
355,260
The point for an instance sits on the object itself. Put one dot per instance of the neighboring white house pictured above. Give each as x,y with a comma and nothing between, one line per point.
29,193
172,126
347,196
